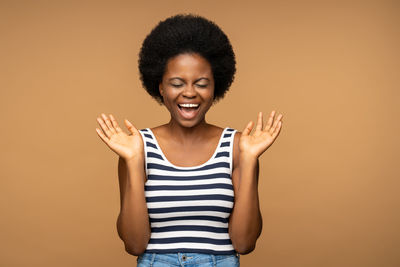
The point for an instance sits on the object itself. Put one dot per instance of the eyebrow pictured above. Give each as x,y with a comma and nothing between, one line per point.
202,78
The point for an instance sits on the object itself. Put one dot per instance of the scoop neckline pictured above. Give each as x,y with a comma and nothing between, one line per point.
187,167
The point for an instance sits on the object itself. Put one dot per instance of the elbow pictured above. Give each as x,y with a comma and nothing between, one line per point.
136,246
134,249
244,243
244,247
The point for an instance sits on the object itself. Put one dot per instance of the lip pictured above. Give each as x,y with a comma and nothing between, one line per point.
188,115
188,103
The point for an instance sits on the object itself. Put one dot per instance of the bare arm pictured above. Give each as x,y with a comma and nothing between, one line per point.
245,222
133,221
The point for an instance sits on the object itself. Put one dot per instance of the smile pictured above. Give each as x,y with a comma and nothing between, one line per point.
188,111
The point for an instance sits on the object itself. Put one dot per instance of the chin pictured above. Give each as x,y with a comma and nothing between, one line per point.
189,123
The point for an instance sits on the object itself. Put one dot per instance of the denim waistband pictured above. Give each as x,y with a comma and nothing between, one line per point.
182,259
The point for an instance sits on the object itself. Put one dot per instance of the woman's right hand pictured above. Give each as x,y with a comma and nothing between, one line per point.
126,146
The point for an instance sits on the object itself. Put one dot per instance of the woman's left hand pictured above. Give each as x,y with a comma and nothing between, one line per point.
254,145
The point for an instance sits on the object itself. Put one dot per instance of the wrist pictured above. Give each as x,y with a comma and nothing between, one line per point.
248,157
134,161
136,172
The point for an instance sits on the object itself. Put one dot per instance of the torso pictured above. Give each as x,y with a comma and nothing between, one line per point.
183,156
192,193
188,155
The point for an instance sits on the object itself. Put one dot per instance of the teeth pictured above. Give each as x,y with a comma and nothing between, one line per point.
189,105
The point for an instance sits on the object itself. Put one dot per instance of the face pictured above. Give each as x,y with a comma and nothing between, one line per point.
187,88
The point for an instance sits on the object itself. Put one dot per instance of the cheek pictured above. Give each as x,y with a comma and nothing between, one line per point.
169,99
210,93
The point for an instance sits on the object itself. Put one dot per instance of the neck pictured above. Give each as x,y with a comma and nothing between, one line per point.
187,135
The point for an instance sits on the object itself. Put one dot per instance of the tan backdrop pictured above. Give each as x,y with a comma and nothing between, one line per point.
328,186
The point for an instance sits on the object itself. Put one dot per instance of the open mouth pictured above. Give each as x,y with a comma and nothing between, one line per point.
188,111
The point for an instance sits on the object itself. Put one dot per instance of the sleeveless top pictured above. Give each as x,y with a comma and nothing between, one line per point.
189,207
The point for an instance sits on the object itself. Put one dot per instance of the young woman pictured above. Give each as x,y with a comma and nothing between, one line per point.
189,189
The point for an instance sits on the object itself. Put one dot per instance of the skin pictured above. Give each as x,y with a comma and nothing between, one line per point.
188,78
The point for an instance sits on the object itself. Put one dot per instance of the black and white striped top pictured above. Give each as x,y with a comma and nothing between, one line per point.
189,207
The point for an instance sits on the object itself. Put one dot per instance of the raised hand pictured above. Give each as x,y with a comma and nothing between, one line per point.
254,145
126,146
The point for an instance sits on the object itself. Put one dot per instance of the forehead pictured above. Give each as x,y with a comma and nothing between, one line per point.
188,65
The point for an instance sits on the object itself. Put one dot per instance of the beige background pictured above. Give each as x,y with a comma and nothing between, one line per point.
328,186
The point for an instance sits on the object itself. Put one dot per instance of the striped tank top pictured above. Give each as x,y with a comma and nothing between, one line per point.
189,207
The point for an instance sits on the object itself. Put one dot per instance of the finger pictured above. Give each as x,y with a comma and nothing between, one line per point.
104,127
248,129
278,119
130,127
108,123
115,124
102,136
259,122
270,120
277,130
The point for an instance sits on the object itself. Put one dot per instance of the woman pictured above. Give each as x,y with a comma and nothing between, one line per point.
188,188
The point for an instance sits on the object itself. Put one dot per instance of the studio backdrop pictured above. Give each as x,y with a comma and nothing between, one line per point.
328,186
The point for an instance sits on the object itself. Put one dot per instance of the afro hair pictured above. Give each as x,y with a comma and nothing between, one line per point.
186,34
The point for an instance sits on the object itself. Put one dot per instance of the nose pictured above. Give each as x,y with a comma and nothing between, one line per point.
189,91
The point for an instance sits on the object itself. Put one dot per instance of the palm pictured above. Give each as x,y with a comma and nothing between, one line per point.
261,139
126,146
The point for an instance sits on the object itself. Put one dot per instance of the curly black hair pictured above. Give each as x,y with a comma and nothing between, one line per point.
186,33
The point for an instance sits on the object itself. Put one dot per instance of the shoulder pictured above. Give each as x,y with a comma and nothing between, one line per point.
160,132
236,151
235,161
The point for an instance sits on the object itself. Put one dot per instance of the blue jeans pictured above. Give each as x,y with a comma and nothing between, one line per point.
187,260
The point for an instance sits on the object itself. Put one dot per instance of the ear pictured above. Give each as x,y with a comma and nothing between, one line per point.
160,89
